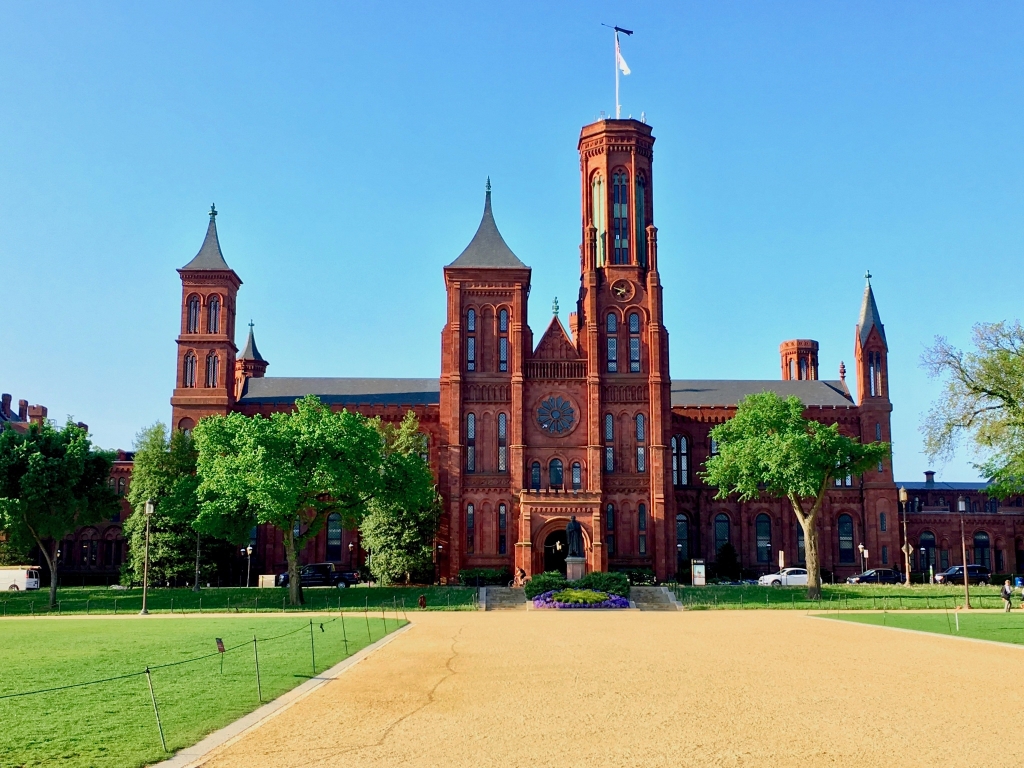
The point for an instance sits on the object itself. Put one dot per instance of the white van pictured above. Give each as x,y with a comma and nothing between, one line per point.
17,577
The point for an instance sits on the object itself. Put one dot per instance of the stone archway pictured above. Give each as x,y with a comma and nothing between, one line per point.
556,547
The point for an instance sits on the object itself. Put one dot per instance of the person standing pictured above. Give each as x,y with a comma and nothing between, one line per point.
1007,594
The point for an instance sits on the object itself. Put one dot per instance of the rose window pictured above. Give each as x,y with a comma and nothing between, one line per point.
556,415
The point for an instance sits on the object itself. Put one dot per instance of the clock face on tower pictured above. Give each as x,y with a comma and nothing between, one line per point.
622,290
556,415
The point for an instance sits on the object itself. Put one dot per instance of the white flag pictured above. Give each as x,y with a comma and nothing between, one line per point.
623,67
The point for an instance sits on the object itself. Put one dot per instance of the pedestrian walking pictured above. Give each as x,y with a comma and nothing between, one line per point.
1007,594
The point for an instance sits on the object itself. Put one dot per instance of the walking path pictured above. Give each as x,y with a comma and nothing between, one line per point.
663,688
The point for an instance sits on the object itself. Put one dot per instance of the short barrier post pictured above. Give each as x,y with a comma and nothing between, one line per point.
256,655
369,637
344,634
152,695
312,647
115,606
383,618
87,607
257,605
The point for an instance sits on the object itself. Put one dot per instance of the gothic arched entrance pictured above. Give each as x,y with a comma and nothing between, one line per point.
556,547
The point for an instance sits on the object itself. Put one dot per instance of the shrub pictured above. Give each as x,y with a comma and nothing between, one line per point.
579,596
639,576
545,582
613,583
484,577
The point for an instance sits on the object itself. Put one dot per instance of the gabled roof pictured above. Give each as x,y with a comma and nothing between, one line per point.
869,317
728,392
555,344
251,352
487,249
209,256
286,390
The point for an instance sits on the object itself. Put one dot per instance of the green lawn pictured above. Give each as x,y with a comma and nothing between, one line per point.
112,723
1002,627
234,599
843,596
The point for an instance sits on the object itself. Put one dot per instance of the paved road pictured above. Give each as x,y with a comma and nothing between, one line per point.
714,688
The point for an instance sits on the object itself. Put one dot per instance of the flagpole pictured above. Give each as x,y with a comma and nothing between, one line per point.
618,109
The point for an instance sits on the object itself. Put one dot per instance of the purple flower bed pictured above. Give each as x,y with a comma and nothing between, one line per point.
545,601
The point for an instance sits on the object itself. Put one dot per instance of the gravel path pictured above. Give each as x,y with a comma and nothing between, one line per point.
714,688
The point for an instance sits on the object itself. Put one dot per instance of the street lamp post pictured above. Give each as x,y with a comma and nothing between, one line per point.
863,558
906,541
145,567
248,564
351,554
961,506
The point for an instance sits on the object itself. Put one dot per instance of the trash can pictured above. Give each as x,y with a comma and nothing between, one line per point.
1018,581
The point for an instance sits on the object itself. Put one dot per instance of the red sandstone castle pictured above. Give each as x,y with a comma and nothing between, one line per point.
586,421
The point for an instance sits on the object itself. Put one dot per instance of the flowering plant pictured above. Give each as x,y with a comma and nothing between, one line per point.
550,600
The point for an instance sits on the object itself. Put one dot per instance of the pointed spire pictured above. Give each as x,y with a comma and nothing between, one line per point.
869,317
487,248
209,256
554,307
251,352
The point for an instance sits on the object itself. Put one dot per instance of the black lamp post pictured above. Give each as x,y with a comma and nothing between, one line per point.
961,506
863,558
150,508
248,565
351,554
906,541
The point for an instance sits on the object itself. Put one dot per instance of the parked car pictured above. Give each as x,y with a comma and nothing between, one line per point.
18,577
877,576
320,575
787,577
976,574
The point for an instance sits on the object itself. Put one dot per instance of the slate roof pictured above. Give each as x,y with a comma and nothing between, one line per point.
209,256
277,390
869,317
487,249
725,392
938,485
251,352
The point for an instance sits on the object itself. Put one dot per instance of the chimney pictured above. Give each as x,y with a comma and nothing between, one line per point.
83,426
929,477
37,414
23,410
5,405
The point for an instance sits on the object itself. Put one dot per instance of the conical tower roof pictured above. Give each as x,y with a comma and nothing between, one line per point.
869,317
251,352
487,249
209,256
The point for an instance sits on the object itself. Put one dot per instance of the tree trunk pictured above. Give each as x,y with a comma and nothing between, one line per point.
294,579
51,560
811,556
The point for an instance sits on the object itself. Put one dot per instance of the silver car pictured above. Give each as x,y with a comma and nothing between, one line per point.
787,577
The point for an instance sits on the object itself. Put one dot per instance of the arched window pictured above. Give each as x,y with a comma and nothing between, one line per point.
641,525
992,506
801,552
470,528
982,550
882,521
721,532
597,216
213,316
555,474
609,524
875,374
535,475
845,539
609,443
878,431
803,369
212,370
613,343
188,378
333,552
714,447
120,486
641,451
641,221
927,543
471,340
763,527
634,343
620,218
502,529
502,442
680,461
577,476
682,542
503,340
186,425
192,322
471,442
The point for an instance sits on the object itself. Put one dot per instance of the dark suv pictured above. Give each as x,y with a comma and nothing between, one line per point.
877,576
976,574
319,575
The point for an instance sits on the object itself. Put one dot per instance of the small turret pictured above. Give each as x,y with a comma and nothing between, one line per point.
799,360
250,364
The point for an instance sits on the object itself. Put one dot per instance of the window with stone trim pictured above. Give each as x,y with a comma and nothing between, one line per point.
641,524
682,541
502,529
188,378
722,533
641,221
609,443
611,328
502,442
845,529
763,531
641,450
556,478
192,319
471,442
213,316
634,343
535,476
503,340
680,461
471,340
620,218
577,476
470,529
212,370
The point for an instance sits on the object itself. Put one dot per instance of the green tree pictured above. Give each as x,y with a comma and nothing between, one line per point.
769,447
52,481
290,471
982,402
164,471
401,519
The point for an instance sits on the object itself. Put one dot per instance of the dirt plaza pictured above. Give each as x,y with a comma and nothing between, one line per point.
706,688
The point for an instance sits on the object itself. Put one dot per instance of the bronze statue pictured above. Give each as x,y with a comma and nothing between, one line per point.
574,533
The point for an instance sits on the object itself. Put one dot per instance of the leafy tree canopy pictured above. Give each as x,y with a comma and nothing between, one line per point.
982,402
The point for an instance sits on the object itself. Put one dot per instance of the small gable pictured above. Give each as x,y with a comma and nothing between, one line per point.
555,344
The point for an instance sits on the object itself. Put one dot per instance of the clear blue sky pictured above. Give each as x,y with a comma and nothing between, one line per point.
346,147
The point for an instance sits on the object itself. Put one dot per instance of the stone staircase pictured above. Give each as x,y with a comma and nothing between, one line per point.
505,599
653,599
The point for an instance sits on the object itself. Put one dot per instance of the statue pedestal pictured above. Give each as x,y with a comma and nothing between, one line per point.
575,567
